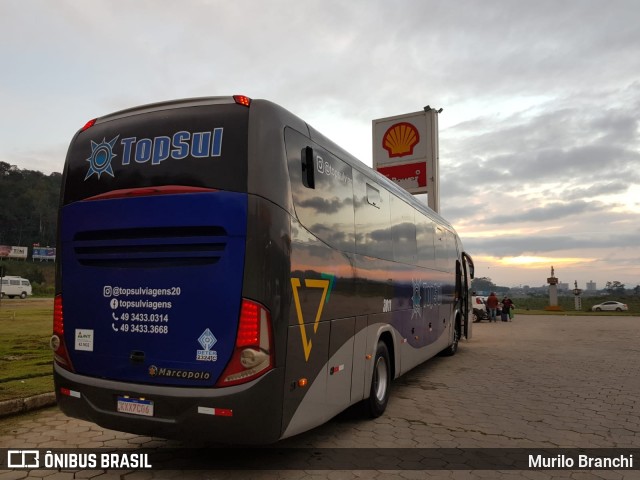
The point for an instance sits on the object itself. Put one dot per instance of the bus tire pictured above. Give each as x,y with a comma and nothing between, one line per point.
453,348
23,295
380,382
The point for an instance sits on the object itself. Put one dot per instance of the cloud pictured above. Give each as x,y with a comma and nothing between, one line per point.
509,245
550,212
607,188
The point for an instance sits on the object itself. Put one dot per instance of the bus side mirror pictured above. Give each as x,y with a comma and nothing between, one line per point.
308,168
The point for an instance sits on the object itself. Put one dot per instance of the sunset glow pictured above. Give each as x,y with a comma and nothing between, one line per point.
536,262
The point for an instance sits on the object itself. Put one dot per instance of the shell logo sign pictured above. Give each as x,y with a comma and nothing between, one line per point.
400,138
405,150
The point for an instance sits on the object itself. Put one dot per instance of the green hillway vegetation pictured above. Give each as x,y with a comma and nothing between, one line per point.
25,326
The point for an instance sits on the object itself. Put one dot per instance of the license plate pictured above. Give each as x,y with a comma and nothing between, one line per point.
135,406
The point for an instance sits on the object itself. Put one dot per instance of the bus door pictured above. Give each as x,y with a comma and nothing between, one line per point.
467,276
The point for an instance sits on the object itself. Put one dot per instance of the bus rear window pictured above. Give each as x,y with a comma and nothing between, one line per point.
197,146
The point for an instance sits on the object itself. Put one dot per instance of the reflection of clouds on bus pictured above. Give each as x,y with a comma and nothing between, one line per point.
326,206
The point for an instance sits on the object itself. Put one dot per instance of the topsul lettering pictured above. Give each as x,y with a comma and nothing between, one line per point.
181,145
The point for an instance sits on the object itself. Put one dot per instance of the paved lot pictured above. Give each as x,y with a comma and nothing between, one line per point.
537,382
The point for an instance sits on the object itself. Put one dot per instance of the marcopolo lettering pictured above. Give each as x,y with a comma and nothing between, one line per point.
174,373
179,146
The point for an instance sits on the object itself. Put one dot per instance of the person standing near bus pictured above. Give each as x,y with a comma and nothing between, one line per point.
492,306
507,307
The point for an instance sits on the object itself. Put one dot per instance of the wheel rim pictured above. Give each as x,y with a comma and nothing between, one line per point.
381,379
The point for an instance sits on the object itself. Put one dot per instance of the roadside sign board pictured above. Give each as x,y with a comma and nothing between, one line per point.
410,176
400,139
405,150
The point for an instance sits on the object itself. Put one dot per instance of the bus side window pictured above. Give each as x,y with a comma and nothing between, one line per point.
322,191
373,222
440,242
425,233
403,230
446,250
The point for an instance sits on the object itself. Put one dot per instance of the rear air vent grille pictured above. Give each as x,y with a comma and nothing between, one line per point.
150,247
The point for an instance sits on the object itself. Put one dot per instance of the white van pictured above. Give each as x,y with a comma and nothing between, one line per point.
15,287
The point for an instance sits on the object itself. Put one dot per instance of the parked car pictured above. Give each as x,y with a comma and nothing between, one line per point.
610,306
479,308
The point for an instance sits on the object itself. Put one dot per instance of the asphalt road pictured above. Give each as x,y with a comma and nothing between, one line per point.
539,382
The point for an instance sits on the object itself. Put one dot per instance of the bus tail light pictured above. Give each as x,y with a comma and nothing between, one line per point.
60,353
149,191
89,124
242,100
253,353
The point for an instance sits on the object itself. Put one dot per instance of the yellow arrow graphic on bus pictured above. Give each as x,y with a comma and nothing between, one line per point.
325,286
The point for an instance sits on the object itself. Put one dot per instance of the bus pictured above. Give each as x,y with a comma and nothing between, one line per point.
228,273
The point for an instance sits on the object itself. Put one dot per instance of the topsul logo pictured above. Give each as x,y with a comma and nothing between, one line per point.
101,156
154,151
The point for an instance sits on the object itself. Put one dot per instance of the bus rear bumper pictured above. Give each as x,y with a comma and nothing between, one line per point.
248,414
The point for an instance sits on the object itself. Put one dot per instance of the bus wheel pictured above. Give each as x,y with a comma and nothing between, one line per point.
453,348
380,382
23,295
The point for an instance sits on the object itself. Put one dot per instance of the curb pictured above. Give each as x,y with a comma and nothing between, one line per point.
23,405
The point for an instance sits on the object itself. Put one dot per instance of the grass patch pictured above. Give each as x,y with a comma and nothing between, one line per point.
26,361
26,388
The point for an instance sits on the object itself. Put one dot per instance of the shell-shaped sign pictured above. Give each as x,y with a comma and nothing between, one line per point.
400,138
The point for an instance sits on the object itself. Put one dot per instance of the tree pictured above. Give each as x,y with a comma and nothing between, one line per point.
29,201
482,284
615,287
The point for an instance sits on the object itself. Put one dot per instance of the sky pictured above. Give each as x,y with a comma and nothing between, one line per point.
539,134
